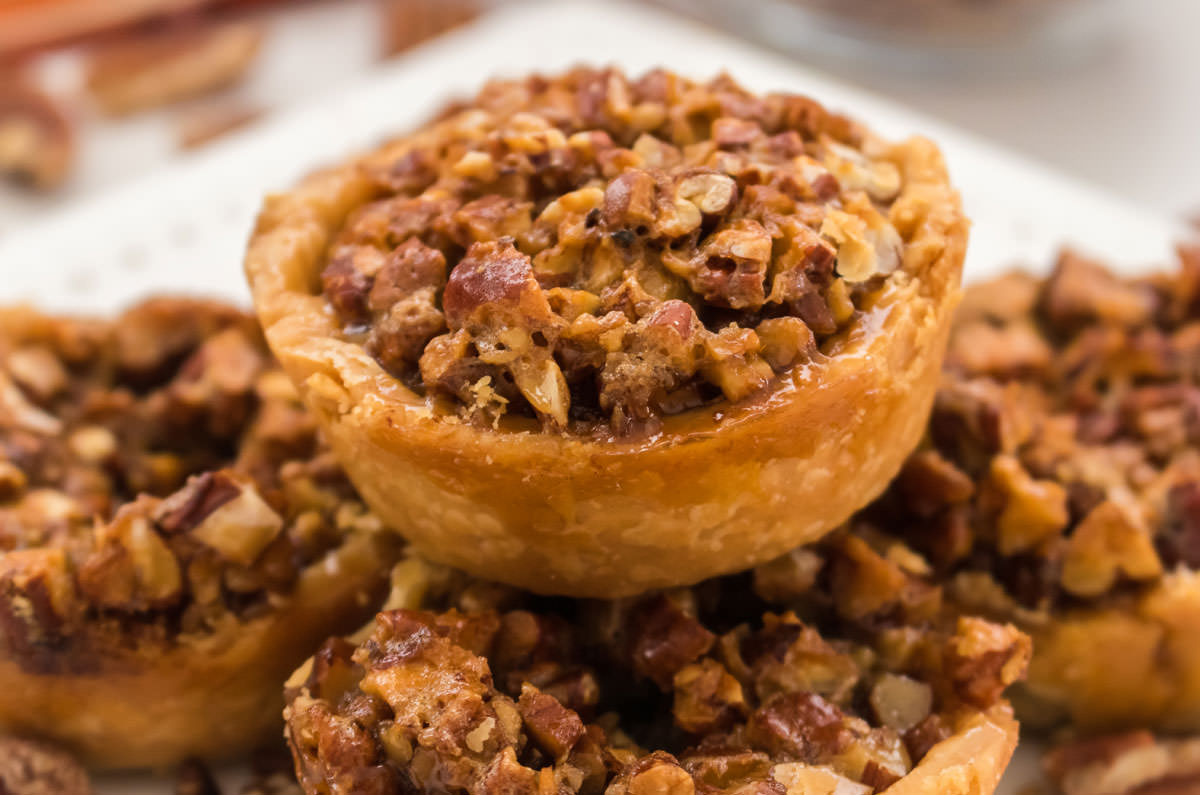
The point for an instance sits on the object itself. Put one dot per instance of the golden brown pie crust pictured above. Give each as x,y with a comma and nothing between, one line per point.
1132,662
213,696
173,535
561,514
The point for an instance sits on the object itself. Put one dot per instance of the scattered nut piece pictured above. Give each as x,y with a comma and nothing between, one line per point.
30,768
1032,510
36,140
141,72
1111,540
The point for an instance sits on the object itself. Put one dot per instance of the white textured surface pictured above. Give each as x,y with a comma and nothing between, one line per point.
183,228
1127,118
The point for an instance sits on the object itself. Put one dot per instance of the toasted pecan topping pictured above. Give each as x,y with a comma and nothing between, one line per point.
1061,457
581,219
159,477
700,690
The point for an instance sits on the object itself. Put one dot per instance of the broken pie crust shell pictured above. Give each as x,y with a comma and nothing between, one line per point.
970,761
555,513
213,695
1131,663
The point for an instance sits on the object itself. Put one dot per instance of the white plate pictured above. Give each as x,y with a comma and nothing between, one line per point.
183,228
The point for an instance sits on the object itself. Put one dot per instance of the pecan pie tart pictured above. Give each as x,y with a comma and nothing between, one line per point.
174,536
1059,487
759,683
593,335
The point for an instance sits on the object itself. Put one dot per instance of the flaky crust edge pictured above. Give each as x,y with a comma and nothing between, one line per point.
212,696
556,514
969,762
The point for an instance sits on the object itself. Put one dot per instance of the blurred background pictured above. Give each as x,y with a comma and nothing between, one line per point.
96,92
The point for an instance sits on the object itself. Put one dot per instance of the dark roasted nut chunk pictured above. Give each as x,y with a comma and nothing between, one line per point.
787,656
665,639
801,726
552,726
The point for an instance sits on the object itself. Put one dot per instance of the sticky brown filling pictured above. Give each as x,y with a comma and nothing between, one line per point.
595,251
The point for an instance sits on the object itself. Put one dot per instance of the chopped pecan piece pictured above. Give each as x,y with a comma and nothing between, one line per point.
985,658
801,726
1081,290
1112,540
707,697
552,726
1031,510
665,639
134,568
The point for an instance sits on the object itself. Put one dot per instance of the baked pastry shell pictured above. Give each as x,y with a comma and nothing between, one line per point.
1131,663
214,695
719,489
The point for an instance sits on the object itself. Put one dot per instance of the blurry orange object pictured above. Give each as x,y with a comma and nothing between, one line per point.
36,142
27,25
145,71
407,23
198,126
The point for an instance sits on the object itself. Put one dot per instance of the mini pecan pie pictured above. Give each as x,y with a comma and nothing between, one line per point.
746,684
581,327
174,538
1060,486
